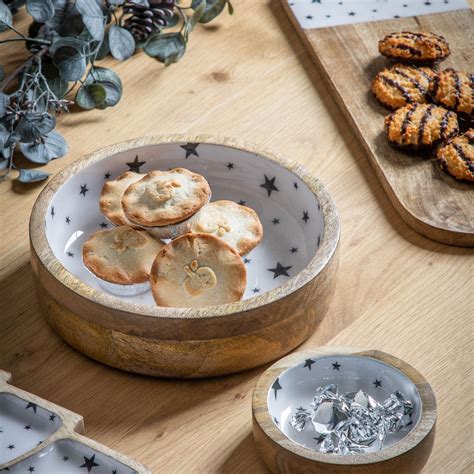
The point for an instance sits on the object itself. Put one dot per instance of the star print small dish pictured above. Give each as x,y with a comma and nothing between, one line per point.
39,437
121,259
290,273
237,225
333,407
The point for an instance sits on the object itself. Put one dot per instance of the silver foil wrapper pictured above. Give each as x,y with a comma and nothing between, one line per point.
350,423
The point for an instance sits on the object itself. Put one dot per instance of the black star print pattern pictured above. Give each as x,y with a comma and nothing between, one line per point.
275,221
230,166
242,202
52,212
318,14
68,220
135,165
279,270
190,149
83,190
11,446
65,458
89,463
275,387
305,216
308,363
31,469
52,417
269,185
295,185
294,249
256,290
32,406
247,260
276,420
69,254
104,225
27,427
107,175
336,366
319,240
377,383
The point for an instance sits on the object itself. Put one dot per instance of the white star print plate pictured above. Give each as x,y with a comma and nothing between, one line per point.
297,386
38,437
289,211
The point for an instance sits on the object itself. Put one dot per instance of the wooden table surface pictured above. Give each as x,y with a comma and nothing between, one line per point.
247,76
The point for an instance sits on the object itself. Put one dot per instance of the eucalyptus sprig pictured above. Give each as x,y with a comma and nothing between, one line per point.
64,42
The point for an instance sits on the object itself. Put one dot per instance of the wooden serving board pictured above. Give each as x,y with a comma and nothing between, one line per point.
433,203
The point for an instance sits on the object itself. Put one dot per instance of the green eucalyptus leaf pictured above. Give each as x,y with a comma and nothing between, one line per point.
32,128
84,99
92,16
31,176
198,13
104,49
230,8
97,92
71,24
70,62
213,9
103,74
5,16
56,83
51,146
4,101
166,48
40,10
121,42
172,21
59,42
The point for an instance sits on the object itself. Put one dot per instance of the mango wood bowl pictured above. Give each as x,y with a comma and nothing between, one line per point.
291,383
290,275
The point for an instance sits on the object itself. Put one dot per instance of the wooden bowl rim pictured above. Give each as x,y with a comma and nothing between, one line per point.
40,245
274,435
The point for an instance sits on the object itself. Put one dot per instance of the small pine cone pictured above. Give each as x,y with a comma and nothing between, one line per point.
146,20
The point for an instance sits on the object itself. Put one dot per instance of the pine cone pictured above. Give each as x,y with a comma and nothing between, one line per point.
146,20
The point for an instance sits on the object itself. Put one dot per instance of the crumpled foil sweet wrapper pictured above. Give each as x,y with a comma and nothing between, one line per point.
350,423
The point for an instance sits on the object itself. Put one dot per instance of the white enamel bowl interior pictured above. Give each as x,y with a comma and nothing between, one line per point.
68,456
290,213
296,388
23,425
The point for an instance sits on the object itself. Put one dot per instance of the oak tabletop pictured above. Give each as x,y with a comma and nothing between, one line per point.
247,76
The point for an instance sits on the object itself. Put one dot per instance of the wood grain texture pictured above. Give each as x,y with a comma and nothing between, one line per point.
428,199
282,455
248,77
72,425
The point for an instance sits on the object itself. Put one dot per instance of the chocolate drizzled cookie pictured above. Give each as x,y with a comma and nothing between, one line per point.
420,125
415,47
401,84
457,156
454,90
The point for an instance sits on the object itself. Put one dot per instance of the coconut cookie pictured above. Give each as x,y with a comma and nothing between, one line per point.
122,255
420,125
197,270
409,46
454,90
457,156
237,225
401,84
110,202
162,198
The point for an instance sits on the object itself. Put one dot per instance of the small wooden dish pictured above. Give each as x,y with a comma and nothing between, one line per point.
294,379
39,436
290,275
